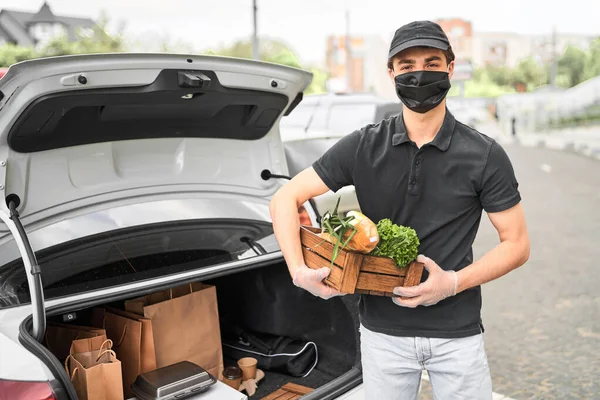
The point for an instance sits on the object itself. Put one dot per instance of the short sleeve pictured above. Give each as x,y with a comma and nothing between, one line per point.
499,186
336,166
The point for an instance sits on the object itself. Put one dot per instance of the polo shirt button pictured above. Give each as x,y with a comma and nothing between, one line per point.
417,162
413,182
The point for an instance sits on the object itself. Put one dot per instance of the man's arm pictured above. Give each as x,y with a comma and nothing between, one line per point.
332,171
284,213
511,253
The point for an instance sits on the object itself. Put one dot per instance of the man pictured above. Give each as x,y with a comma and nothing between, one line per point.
425,170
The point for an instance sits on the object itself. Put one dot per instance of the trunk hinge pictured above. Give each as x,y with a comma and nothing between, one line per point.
10,216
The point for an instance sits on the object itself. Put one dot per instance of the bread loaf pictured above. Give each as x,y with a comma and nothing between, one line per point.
366,237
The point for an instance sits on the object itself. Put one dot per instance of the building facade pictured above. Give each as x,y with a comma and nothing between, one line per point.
31,29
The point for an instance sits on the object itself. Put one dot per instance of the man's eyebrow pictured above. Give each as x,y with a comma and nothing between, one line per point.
433,58
407,61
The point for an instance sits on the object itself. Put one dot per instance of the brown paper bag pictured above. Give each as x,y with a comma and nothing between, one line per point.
133,342
95,374
185,324
87,345
58,337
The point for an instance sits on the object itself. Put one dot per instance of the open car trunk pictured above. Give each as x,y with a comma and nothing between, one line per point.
264,300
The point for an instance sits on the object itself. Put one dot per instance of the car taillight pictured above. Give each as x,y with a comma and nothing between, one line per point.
23,390
304,217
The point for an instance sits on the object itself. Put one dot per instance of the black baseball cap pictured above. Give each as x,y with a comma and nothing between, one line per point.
419,34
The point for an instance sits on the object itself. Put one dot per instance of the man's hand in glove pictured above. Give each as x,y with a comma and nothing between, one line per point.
311,280
439,285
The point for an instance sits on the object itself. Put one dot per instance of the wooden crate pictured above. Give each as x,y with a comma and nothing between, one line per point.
355,272
290,391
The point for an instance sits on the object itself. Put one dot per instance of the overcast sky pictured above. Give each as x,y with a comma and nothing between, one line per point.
304,24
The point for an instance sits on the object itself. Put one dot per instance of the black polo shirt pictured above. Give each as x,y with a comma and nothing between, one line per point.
440,191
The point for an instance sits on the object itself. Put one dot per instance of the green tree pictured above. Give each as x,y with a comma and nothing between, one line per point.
500,75
11,54
571,67
592,64
530,73
276,52
96,41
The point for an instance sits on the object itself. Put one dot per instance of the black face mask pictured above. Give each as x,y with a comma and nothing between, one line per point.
422,91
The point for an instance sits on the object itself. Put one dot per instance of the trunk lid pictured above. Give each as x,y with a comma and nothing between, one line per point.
81,133
76,132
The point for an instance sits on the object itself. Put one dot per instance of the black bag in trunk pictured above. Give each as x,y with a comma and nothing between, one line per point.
290,356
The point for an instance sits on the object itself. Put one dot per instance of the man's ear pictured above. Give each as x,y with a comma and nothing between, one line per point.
391,74
450,69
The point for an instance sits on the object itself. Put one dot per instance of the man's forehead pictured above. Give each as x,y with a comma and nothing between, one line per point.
416,53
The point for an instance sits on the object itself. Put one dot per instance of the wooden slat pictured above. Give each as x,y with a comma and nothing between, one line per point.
350,272
275,395
382,265
298,389
315,261
379,283
309,238
413,276
288,396
289,391
375,293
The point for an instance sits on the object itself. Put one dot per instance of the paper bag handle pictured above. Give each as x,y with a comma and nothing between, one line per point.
171,291
110,345
73,374
104,352
118,344
67,363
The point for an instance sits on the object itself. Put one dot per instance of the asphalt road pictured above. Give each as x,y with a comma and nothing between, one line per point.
542,320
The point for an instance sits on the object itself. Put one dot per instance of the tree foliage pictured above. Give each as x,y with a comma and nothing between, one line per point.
277,52
573,67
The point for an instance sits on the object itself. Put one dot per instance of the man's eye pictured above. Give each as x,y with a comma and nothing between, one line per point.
405,67
434,65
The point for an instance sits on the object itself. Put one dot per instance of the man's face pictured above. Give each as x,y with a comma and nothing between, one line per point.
420,59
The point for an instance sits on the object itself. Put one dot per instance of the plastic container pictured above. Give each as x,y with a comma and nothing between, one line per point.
174,382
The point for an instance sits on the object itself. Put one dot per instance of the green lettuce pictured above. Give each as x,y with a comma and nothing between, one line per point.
397,242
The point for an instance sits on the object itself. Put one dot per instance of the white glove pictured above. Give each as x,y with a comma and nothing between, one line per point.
439,285
311,280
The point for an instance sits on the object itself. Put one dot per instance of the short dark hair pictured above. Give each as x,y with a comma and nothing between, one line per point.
448,53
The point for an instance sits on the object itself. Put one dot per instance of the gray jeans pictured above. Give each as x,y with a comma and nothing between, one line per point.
392,366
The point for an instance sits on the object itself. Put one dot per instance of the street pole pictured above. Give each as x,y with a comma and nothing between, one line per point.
554,66
255,54
348,54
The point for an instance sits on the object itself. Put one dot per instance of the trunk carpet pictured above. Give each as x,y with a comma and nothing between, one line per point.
274,380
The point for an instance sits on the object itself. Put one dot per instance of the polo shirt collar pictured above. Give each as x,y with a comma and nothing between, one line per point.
442,138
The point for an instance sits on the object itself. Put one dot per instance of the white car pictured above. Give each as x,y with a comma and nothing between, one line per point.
301,150
126,174
318,122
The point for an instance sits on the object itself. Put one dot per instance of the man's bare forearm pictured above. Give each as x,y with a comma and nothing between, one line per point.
499,261
286,225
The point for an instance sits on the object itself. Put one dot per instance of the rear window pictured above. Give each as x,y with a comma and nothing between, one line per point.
301,154
300,118
347,118
162,109
134,254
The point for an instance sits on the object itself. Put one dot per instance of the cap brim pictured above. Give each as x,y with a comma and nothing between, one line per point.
420,42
